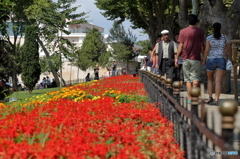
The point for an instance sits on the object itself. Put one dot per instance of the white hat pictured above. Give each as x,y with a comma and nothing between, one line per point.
164,32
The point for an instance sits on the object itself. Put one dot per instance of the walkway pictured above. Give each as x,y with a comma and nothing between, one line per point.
214,116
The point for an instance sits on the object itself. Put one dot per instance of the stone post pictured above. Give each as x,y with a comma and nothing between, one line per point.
168,82
228,108
195,93
176,91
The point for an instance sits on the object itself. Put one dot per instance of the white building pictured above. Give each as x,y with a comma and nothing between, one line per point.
77,34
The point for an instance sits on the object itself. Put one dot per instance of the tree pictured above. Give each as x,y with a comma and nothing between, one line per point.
224,12
51,18
122,42
150,15
31,69
13,21
93,51
44,63
146,44
5,9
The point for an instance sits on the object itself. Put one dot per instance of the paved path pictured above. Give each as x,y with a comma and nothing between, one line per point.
213,114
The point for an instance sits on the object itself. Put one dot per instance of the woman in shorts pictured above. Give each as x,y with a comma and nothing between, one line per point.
215,55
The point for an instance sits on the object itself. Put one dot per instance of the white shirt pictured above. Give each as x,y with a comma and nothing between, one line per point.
165,48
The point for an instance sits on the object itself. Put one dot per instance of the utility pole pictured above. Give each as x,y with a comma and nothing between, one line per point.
60,59
60,64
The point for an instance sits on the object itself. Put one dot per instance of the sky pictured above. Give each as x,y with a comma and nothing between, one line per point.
95,17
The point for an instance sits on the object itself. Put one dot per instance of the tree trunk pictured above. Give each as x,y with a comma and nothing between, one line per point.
195,7
211,12
49,62
182,15
14,78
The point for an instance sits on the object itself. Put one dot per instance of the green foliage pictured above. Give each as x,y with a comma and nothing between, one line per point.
93,51
146,44
121,52
122,42
6,60
51,18
124,98
30,59
55,58
5,9
151,16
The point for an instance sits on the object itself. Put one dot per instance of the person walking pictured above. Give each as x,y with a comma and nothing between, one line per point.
107,72
179,70
114,68
96,72
153,55
148,62
191,44
215,55
165,52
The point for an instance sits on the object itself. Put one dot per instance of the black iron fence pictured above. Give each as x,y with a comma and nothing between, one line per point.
190,121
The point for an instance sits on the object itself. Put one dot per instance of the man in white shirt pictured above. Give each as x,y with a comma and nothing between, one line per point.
165,55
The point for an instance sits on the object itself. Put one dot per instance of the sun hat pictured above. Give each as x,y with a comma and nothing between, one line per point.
164,32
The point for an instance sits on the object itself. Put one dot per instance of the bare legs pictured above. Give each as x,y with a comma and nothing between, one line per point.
218,83
210,75
189,85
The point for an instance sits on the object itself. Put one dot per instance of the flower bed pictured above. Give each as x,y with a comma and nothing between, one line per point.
110,118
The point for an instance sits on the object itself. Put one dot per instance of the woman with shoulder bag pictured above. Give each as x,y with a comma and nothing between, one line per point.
215,55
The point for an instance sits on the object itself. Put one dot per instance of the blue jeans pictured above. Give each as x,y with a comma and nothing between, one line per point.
216,64
113,73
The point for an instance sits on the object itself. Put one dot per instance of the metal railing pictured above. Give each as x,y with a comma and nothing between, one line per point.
190,125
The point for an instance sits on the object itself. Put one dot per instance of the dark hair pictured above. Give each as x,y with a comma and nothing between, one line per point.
217,30
159,36
192,19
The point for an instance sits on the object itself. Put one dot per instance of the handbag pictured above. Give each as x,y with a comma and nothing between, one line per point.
229,65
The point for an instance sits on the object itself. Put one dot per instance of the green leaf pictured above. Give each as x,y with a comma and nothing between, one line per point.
110,140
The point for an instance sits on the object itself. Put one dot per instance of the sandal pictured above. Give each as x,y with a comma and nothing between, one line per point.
210,100
215,103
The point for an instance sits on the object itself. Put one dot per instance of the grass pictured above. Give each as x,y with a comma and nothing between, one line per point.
21,95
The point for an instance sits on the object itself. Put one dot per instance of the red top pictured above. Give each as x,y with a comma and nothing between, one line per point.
191,37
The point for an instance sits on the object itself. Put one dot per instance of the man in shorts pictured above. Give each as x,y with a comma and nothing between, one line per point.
191,45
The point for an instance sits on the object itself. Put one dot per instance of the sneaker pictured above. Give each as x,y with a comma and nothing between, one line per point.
210,100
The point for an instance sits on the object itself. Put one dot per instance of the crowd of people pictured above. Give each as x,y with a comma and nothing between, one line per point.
111,71
180,59
47,83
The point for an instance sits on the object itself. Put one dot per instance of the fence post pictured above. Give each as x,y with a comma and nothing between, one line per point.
195,93
228,108
140,75
176,91
159,80
163,82
169,85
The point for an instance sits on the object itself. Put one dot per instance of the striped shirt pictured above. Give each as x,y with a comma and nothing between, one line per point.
217,46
